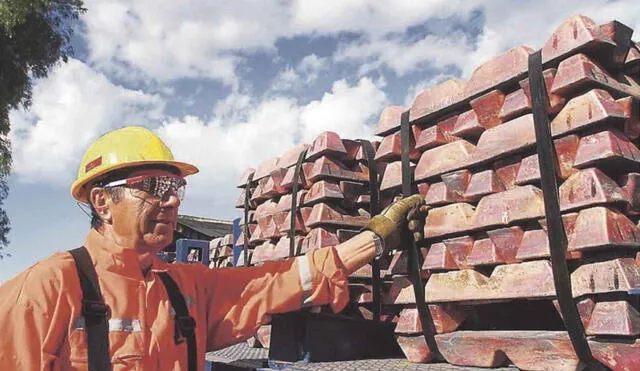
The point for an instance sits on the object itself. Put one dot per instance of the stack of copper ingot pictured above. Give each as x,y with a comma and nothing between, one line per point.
489,284
332,205
221,251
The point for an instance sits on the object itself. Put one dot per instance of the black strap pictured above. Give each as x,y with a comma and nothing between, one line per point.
555,228
374,209
247,196
95,312
415,264
185,324
294,203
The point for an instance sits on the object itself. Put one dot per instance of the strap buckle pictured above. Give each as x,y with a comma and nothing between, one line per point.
92,308
186,324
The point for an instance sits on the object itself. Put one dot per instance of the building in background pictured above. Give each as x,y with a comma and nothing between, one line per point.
198,228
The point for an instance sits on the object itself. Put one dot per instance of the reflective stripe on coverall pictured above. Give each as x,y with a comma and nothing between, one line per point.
41,324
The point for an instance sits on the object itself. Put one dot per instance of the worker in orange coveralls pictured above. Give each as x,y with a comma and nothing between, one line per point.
54,317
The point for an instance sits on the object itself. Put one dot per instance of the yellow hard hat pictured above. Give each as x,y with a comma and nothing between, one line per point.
122,148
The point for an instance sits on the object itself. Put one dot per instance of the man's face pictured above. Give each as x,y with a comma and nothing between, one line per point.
144,220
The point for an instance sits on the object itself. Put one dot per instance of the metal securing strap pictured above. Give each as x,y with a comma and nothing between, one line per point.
428,328
374,209
294,204
247,196
555,228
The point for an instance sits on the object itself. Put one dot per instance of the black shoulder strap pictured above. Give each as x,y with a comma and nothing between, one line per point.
185,324
95,312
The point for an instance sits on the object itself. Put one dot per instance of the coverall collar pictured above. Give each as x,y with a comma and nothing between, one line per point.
109,256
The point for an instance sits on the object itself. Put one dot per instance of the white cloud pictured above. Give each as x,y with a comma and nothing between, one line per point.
70,109
302,75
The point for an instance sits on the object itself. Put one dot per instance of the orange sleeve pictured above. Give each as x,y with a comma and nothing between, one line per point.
240,299
29,321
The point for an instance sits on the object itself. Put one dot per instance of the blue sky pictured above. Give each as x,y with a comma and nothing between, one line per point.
230,84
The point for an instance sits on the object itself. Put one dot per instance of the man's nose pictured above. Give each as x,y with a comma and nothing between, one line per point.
170,199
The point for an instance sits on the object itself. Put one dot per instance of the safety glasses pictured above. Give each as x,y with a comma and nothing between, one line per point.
157,186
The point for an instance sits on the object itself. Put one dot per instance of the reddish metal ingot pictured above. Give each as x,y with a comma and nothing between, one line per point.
323,214
602,227
269,228
481,184
507,170
504,208
265,168
487,109
457,182
437,98
574,34
389,120
423,189
285,201
390,149
366,271
632,61
267,208
510,281
399,264
392,177
449,254
499,70
327,143
535,243
244,178
325,168
439,160
502,140
500,247
566,149
607,148
290,158
400,292
631,108
590,187
323,191
319,238
556,102
273,186
618,275
437,195
446,318
256,235
631,187
256,196
302,216
415,348
577,71
264,252
287,181
264,336
449,219
252,228
585,308
465,126
282,248
515,104
434,135
594,107
354,194
360,293
617,318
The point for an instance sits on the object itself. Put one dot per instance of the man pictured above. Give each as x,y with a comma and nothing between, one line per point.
134,186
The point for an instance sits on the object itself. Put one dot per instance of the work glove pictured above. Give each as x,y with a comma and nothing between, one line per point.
389,224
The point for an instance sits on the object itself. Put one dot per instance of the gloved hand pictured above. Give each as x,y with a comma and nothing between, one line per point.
388,225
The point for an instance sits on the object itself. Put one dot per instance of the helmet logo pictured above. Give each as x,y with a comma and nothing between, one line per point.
93,164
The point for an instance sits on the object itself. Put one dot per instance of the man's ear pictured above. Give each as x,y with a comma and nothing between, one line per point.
101,203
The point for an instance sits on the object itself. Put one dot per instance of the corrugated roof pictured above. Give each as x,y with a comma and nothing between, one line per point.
207,226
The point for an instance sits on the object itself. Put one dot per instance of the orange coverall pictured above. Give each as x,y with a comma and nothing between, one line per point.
41,325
